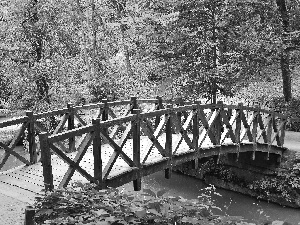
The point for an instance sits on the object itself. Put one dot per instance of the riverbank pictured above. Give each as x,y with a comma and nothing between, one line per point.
278,183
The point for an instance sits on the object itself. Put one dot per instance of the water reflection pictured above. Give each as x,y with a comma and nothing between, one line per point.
229,202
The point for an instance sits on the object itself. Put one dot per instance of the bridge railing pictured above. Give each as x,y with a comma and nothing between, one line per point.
169,130
68,118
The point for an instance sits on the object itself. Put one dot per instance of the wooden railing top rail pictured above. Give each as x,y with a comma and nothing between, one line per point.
14,121
157,113
37,116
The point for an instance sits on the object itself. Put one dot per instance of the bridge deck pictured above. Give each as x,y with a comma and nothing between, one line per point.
26,182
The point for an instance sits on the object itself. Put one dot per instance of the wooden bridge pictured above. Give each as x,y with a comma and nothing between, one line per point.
118,142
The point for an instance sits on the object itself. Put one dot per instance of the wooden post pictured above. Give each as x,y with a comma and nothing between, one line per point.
282,135
238,126
218,127
46,161
136,135
179,114
31,138
71,126
97,153
104,116
269,134
254,130
218,123
133,103
168,145
159,106
29,215
195,135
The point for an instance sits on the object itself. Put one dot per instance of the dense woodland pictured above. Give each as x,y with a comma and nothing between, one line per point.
58,51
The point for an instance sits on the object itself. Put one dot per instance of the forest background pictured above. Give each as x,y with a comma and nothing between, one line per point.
59,51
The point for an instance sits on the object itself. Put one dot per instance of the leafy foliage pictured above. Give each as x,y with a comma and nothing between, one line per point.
286,184
84,204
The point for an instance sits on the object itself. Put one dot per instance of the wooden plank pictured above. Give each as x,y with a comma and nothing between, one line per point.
136,145
183,133
50,113
15,121
71,133
70,162
79,119
21,182
4,158
17,193
207,126
118,103
46,162
11,151
111,113
39,126
156,134
228,129
18,136
61,124
168,145
263,125
254,133
247,124
97,153
117,148
71,126
31,138
89,106
81,150
141,101
24,177
152,138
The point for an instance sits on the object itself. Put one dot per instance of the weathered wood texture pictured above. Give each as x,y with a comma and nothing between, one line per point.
116,149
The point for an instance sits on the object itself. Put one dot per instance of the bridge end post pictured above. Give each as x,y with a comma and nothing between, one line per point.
46,161
97,153
71,126
168,144
29,215
31,138
136,136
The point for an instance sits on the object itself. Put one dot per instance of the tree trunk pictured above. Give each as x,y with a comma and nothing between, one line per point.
85,40
126,53
285,54
36,38
94,27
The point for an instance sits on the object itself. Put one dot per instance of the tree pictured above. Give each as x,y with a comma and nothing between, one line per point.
35,35
285,54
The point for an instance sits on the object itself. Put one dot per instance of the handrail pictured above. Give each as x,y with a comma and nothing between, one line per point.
197,122
108,118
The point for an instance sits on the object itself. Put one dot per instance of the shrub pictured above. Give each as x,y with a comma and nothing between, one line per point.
292,109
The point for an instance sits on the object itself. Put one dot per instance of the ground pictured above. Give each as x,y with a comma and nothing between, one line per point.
12,211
